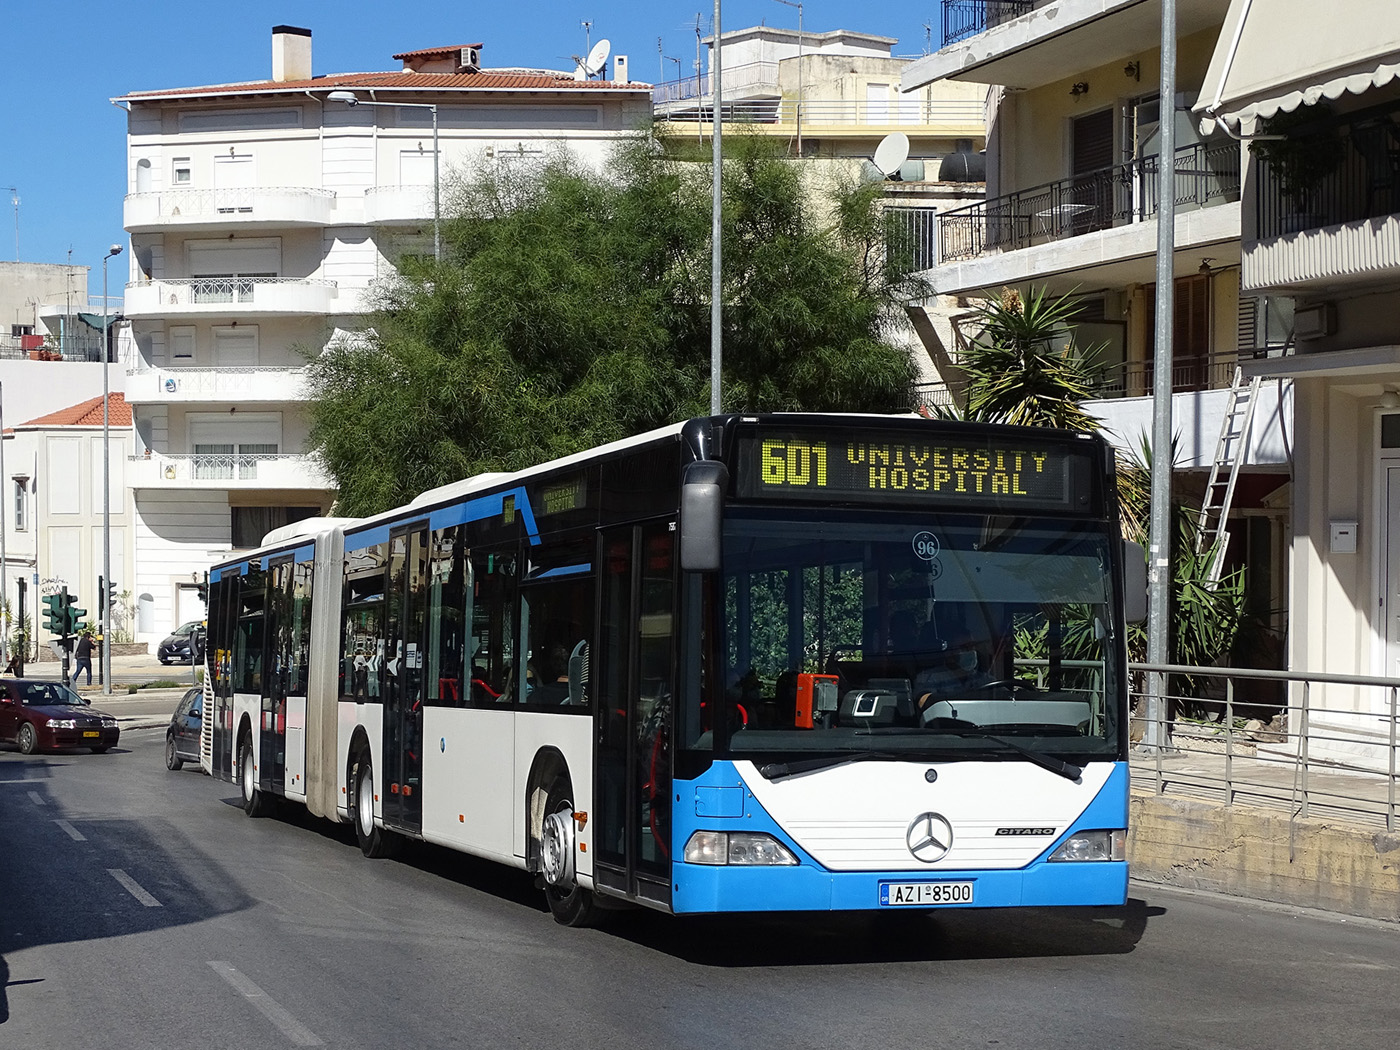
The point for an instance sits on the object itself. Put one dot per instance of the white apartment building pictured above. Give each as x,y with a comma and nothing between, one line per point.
1321,231
261,215
1073,155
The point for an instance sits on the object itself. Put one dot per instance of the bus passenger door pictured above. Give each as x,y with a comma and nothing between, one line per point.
635,684
403,678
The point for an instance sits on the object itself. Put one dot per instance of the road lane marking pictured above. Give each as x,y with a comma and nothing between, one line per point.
73,833
36,798
267,1006
133,887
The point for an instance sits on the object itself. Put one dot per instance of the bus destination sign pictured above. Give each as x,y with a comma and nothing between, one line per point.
885,467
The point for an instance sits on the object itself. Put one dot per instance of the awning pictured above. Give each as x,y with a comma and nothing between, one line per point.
1276,55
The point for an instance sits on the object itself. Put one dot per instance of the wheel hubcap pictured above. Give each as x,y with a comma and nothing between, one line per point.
557,848
365,805
247,774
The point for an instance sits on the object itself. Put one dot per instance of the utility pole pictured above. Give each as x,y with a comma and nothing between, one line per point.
716,226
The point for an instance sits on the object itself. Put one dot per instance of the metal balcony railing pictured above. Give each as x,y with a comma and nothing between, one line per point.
1364,183
1206,173
203,466
75,348
1314,744
852,113
187,291
742,76
1190,374
965,18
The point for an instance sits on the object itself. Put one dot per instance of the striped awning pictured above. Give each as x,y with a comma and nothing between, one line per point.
1273,56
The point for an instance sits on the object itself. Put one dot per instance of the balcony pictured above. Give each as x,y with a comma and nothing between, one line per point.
1100,200
399,205
965,18
1321,221
744,79
996,42
239,384
188,209
230,297
227,471
960,118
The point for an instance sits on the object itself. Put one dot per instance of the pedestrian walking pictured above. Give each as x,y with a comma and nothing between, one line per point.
82,657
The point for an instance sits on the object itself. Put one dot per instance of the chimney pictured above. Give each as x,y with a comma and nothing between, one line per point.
291,54
620,69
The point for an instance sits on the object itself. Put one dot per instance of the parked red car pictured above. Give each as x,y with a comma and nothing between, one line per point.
48,715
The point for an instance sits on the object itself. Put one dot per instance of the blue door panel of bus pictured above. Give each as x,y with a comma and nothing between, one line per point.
721,802
488,506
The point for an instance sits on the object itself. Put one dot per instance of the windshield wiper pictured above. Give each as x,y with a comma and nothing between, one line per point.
972,731
778,770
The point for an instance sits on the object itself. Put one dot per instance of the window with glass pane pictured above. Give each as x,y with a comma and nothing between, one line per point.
213,462
837,632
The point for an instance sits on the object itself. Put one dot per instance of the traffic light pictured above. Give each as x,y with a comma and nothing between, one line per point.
56,615
73,616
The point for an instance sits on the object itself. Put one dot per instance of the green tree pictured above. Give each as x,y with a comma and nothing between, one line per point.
572,308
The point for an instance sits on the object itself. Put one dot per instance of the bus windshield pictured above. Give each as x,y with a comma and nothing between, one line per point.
935,634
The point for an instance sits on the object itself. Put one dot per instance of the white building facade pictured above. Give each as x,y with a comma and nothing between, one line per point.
261,215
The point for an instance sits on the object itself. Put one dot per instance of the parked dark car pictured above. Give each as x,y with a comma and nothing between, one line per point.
48,715
182,738
176,646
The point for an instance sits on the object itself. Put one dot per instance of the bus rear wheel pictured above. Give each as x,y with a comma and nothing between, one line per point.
255,803
569,903
374,841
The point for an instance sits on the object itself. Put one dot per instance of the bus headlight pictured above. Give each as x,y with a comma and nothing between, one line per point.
736,847
1093,845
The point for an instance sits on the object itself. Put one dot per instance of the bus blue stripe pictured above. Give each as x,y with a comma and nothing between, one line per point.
456,514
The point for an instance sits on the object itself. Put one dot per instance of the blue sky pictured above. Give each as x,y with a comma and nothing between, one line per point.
64,143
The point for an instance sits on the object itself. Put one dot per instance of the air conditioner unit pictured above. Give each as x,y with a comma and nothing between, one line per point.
469,61
1314,322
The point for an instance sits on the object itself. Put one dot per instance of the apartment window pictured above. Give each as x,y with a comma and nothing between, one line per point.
17,330
21,502
182,343
180,171
217,461
250,524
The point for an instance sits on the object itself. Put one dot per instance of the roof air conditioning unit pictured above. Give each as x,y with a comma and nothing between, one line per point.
469,61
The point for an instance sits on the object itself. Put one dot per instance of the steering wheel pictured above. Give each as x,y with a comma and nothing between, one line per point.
1011,685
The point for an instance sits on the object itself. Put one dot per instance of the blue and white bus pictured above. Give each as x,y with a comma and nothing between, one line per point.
744,663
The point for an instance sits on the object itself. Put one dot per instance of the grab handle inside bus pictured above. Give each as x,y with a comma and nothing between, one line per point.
1134,582
702,513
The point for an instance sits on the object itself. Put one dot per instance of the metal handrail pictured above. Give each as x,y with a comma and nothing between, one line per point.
1117,195
967,18
1315,760
853,112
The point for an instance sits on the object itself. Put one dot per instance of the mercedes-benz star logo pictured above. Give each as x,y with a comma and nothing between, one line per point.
930,837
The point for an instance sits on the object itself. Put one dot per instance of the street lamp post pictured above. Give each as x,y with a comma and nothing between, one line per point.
791,3
350,99
104,600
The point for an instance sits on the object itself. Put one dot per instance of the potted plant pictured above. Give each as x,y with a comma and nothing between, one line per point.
1309,150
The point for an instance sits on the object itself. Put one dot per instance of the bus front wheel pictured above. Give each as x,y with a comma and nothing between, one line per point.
255,803
569,903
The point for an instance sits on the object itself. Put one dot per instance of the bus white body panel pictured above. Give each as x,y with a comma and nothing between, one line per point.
467,802
371,717
296,748
857,817
247,707
573,738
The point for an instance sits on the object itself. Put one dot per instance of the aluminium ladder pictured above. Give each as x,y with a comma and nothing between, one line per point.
1225,471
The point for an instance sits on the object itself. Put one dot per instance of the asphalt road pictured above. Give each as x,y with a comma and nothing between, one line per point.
141,908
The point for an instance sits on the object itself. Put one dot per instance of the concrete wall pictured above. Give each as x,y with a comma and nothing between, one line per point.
25,286
1262,854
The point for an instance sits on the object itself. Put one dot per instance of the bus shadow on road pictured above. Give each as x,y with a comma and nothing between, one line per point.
826,939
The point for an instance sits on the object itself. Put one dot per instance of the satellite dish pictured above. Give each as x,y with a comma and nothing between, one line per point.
597,58
892,151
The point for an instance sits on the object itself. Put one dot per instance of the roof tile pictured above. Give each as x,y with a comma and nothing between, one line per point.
87,414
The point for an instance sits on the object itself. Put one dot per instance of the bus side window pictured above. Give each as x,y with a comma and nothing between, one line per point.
491,608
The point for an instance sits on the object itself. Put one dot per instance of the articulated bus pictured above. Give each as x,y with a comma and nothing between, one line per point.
744,663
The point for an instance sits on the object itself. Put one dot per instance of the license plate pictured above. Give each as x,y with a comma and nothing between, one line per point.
91,732
924,894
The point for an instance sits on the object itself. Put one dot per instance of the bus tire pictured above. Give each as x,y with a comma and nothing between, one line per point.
569,903
255,803
374,841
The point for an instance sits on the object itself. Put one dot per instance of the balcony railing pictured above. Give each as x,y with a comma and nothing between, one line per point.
24,348
853,113
1365,184
965,18
283,204
742,76
209,294
289,470
1206,173
1190,374
216,383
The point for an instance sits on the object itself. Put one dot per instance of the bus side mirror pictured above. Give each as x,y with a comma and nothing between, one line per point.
702,515
1134,582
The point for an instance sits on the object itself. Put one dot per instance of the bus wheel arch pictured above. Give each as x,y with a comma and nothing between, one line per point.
551,806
